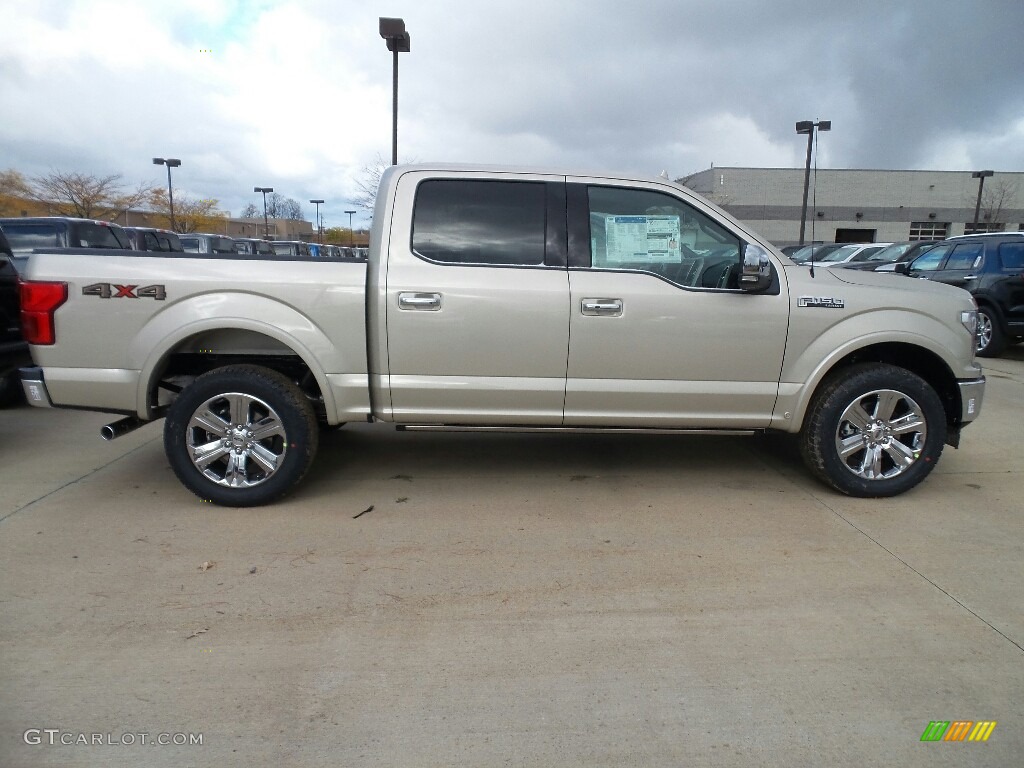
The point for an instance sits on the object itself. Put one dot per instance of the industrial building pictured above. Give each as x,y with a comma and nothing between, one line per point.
850,205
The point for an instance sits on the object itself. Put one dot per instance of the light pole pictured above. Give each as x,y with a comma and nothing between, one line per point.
319,223
398,40
808,126
980,176
351,236
170,162
266,222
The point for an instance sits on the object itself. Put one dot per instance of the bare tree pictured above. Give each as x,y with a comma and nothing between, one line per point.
369,180
998,195
281,207
87,196
251,211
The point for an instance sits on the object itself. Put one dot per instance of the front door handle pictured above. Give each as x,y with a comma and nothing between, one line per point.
602,307
429,302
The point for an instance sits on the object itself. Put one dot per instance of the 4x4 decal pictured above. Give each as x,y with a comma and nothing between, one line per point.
107,291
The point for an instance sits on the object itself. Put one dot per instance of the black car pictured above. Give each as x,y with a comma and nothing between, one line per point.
991,267
13,349
28,233
152,239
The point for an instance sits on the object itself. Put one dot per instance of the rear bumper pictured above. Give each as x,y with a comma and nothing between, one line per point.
35,387
972,393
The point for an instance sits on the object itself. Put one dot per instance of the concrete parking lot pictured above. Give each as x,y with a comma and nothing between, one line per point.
527,600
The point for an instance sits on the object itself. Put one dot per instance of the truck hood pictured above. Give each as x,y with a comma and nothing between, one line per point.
888,282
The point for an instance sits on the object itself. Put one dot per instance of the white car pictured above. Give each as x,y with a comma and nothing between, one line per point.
853,252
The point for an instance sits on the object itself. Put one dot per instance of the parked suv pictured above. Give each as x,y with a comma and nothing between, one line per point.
991,267
24,234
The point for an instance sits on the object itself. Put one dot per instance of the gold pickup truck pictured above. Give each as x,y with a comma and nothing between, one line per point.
499,298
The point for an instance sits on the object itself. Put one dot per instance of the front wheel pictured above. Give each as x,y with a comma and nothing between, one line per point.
874,430
990,339
241,436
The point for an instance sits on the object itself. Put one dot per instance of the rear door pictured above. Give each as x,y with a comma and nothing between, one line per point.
962,266
660,333
477,299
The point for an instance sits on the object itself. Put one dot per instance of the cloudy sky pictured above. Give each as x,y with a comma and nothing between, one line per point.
297,95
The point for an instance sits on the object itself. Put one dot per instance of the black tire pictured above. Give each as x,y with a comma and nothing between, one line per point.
226,410
901,417
991,341
10,389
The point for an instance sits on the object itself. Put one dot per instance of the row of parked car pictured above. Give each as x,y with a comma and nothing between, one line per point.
25,234
988,265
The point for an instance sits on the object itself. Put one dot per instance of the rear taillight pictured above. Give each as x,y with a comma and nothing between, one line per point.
39,301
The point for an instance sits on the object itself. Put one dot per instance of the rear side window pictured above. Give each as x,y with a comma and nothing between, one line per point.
456,221
96,236
222,245
1012,256
190,244
25,237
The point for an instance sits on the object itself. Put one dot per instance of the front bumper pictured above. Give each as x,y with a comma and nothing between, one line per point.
35,388
972,393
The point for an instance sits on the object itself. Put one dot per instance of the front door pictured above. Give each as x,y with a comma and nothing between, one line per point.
660,334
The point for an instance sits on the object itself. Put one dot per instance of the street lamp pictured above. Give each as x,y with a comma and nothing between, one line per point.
319,223
980,176
398,40
266,223
808,126
170,162
351,240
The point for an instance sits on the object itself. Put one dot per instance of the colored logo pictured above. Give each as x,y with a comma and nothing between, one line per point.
958,730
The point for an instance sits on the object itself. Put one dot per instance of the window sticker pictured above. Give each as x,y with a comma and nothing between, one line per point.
632,239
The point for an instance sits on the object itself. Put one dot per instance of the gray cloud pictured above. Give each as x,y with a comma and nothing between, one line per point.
297,95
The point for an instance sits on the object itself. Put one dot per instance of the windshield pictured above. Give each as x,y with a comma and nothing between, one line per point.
819,250
890,253
838,255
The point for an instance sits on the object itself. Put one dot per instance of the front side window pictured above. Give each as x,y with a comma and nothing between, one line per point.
931,260
459,221
965,256
637,229
190,244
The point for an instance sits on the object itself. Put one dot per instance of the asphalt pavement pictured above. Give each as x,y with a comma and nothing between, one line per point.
529,600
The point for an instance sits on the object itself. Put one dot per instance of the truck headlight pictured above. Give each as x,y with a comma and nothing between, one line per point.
970,321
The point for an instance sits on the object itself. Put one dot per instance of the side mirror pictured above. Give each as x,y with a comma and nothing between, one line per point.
902,268
756,275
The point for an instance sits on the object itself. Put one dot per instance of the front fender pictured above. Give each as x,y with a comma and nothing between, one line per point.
803,372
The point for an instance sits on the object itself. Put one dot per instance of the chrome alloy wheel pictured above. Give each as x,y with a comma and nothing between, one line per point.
236,440
881,434
984,333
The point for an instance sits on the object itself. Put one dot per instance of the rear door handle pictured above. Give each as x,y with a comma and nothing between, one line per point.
429,302
602,307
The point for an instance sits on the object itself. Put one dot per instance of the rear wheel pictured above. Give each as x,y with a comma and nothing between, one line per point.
874,430
241,436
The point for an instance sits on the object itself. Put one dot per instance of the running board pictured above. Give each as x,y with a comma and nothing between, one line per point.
577,430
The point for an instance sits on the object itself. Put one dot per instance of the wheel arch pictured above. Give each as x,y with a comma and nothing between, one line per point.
205,345
915,358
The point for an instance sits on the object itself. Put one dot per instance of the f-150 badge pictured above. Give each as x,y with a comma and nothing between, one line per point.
827,302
